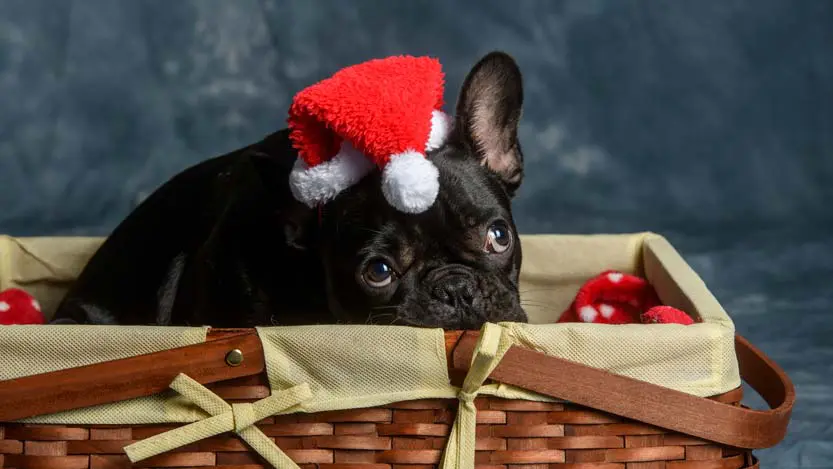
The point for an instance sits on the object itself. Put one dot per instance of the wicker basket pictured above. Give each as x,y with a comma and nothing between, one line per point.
606,421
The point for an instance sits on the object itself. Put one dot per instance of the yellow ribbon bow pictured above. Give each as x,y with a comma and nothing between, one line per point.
225,417
460,449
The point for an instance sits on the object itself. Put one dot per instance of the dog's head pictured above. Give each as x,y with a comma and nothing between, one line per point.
456,265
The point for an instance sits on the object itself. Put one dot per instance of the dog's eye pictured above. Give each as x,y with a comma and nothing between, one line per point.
378,274
498,239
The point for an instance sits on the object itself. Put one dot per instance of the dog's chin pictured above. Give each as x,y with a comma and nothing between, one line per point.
419,310
438,315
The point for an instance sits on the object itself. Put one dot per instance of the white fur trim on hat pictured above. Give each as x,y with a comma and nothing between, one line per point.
322,182
410,182
440,127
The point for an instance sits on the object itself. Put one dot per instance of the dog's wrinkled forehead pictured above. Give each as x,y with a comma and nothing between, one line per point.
470,198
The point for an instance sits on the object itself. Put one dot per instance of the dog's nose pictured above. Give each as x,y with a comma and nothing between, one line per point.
455,290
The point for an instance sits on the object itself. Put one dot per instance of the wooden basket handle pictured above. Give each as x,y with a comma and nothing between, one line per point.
128,378
655,405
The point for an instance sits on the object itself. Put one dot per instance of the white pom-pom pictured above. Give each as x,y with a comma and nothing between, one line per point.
440,127
322,182
410,182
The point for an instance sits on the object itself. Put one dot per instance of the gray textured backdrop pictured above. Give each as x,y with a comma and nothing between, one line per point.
710,122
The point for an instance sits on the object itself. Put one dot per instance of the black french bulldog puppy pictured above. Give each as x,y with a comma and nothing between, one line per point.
224,243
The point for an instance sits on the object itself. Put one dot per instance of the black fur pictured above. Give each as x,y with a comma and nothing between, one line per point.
225,244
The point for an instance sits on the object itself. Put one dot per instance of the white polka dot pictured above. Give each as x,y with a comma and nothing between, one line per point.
607,310
4,307
35,304
614,277
587,313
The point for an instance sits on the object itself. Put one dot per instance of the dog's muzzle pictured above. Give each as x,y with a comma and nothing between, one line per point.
453,285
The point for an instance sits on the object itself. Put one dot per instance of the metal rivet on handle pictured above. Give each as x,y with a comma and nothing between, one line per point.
234,358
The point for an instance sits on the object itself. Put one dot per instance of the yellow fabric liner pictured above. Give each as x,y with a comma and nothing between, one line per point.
351,366
44,266
364,366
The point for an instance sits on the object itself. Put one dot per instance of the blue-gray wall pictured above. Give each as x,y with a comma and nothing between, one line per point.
639,114
710,121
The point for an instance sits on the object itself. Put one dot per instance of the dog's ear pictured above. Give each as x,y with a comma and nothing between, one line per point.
299,223
488,112
272,160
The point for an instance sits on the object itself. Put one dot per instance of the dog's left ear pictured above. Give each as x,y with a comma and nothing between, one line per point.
298,225
488,112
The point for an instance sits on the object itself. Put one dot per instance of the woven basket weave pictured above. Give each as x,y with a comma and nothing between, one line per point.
408,435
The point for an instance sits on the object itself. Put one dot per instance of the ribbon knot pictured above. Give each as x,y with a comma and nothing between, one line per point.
467,397
224,417
244,416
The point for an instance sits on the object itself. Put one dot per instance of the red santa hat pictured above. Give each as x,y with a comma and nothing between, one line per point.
384,113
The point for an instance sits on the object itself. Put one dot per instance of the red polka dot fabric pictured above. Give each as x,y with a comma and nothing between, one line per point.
614,297
19,307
